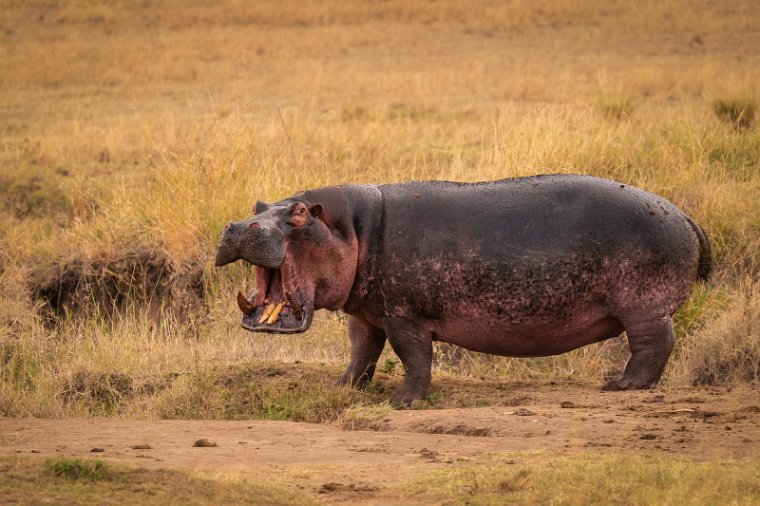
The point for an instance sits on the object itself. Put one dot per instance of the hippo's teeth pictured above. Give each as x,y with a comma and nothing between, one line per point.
244,304
275,314
267,312
296,308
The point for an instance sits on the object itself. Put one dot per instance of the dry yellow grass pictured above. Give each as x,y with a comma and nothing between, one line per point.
133,131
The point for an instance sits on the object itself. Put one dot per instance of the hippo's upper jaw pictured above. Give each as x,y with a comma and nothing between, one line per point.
279,305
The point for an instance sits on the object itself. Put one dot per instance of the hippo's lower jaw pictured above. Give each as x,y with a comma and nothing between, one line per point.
278,309
286,324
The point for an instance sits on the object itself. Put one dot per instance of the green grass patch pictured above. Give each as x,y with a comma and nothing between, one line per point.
532,478
78,469
75,481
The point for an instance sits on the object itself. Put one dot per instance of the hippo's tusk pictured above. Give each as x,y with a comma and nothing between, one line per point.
268,311
244,304
275,314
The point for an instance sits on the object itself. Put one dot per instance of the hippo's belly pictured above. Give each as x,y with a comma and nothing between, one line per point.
530,339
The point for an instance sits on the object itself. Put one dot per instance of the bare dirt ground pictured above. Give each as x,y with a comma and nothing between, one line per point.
712,423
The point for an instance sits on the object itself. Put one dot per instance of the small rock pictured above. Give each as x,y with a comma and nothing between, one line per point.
36,451
204,443
648,436
97,450
429,455
566,404
523,412
142,447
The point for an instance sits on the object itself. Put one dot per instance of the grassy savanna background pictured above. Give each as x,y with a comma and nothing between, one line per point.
132,131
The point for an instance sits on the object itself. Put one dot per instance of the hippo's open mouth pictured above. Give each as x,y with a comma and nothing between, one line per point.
278,306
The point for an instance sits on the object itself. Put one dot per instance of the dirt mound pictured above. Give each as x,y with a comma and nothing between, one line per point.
459,429
142,278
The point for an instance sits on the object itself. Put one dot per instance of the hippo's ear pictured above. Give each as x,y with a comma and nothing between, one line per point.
260,207
316,210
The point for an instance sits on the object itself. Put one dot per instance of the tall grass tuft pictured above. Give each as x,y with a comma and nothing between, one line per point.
726,348
737,112
617,107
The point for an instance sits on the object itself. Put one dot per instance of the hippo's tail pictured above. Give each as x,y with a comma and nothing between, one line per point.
705,252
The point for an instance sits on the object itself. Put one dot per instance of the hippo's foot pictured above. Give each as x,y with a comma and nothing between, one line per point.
627,384
404,397
414,346
354,379
650,343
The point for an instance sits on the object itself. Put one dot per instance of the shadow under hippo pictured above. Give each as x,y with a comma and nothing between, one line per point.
521,267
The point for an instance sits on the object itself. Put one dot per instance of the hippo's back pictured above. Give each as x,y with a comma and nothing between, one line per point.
566,240
545,215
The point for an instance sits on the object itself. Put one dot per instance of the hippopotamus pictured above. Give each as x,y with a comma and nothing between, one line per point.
520,267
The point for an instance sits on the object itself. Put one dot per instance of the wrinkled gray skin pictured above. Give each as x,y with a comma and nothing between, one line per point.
521,267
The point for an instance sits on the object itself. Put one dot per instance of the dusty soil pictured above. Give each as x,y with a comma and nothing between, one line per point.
715,423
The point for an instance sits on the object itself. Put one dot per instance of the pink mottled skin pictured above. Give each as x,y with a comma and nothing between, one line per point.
520,267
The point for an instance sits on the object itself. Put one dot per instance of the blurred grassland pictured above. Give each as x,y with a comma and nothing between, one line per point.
130,132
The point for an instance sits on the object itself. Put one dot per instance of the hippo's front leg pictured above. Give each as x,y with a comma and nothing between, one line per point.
367,343
414,346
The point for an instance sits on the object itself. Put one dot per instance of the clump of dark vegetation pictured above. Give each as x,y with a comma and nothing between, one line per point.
78,469
105,393
140,278
410,112
614,107
738,112
105,390
33,192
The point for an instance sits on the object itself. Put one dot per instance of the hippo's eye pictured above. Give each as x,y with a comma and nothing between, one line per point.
298,216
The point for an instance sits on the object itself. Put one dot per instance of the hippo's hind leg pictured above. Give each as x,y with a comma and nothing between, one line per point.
414,346
367,343
651,343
